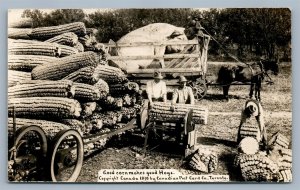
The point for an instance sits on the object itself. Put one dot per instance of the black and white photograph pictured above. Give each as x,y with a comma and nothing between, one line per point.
140,95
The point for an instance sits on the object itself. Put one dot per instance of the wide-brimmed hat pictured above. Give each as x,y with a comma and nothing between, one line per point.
157,75
182,79
251,108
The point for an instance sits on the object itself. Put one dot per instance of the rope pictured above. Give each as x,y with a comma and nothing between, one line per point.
235,58
223,48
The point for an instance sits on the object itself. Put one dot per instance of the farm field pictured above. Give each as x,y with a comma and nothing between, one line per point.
219,134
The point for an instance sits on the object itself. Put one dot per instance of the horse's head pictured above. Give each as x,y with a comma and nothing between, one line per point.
271,66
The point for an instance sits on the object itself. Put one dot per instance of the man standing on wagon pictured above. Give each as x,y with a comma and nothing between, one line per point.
156,89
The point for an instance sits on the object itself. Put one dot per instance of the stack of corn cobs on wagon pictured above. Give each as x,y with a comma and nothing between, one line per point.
59,79
272,165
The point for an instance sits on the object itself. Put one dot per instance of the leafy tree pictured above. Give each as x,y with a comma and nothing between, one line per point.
247,33
56,17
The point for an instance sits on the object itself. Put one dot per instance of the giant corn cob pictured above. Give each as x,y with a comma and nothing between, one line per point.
111,103
92,126
128,100
257,167
79,47
73,124
83,75
28,62
68,39
248,145
65,66
19,33
283,158
108,118
126,88
279,140
204,160
86,92
44,107
128,113
67,50
62,88
161,111
103,87
88,41
20,23
30,47
285,175
14,77
97,47
111,75
250,130
50,128
44,33
88,108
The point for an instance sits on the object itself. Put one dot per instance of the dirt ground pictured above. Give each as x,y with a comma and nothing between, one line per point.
219,134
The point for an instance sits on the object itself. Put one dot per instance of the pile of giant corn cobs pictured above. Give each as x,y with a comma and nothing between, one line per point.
204,160
272,165
59,79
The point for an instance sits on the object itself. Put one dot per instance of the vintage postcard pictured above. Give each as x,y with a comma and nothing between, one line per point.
187,95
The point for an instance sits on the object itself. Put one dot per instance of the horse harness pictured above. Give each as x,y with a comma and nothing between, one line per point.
263,71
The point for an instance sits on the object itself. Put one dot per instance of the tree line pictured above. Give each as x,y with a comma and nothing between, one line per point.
246,33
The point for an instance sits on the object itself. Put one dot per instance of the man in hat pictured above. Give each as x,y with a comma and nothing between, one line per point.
156,89
184,94
251,109
198,27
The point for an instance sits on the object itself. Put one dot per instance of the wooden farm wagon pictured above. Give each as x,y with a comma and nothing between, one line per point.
191,62
35,154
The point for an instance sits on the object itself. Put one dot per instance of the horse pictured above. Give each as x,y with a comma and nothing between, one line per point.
253,73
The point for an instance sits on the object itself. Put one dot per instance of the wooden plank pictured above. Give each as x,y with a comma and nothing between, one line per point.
171,82
174,61
165,70
185,61
199,58
185,65
141,57
234,83
192,62
163,43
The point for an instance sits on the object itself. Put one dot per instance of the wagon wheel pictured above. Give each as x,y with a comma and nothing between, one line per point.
66,156
143,116
28,154
199,89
